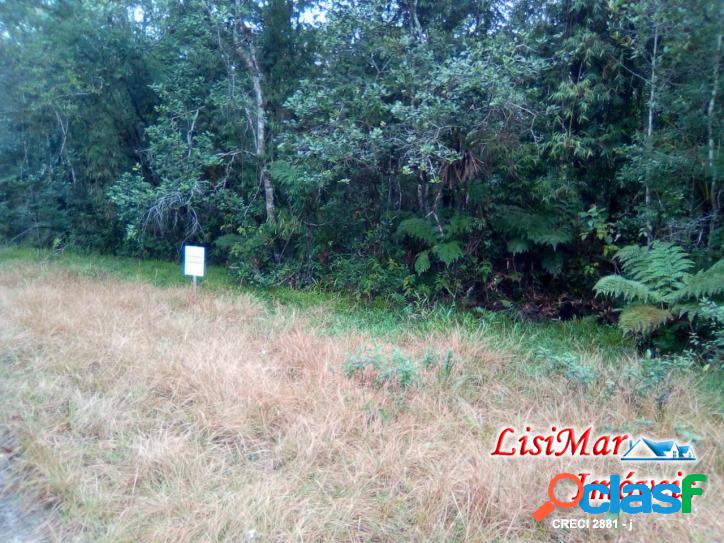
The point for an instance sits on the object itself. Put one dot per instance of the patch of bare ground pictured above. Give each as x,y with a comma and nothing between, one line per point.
19,523
144,414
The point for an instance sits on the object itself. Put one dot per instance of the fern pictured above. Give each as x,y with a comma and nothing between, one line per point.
643,319
688,310
283,172
663,267
459,224
660,285
517,245
552,263
227,241
538,228
628,289
705,283
418,229
629,255
547,235
422,262
448,252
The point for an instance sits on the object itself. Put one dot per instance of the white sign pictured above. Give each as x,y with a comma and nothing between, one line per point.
194,260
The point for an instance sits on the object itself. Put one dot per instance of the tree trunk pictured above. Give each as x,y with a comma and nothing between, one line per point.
433,211
714,197
248,55
650,132
416,26
242,43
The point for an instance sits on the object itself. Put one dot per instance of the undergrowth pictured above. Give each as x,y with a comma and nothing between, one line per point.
345,314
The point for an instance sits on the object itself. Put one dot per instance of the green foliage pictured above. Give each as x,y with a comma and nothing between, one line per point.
448,252
650,376
569,364
369,278
704,283
628,289
516,246
663,267
707,341
395,369
659,285
422,262
533,227
643,319
284,173
419,229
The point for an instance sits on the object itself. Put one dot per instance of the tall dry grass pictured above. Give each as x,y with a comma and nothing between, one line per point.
145,414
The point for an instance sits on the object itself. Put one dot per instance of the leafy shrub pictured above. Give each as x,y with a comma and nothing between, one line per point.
708,340
368,277
651,377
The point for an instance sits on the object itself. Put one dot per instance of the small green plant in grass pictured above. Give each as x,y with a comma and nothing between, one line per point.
395,368
651,377
569,364
651,373
384,369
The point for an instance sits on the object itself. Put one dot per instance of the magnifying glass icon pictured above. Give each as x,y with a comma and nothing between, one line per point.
547,508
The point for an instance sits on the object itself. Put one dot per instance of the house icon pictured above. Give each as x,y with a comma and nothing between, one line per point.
648,450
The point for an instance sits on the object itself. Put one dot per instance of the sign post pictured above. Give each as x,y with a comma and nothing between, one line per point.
194,262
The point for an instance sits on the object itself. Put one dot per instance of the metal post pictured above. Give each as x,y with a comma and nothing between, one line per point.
194,281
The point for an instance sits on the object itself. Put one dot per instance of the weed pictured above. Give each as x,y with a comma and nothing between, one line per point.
570,364
395,368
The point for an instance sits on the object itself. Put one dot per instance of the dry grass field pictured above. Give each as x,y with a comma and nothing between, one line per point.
137,413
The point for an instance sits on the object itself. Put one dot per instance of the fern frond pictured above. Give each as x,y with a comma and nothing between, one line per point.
422,262
539,228
663,266
419,229
550,236
660,274
690,310
628,289
704,283
629,255
227,241
552,263
667,267
642,319
459,224
517,245
448,252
